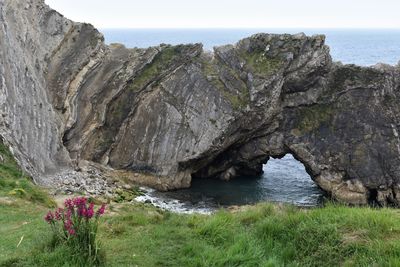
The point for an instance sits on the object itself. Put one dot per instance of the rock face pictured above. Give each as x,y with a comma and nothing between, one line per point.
177,112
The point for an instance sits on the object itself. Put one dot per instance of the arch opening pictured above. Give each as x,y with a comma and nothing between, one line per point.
281,179
290,182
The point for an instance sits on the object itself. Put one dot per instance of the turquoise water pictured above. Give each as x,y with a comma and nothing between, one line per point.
284,180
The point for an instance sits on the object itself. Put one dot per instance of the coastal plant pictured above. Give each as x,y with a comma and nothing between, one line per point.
76,226
17,185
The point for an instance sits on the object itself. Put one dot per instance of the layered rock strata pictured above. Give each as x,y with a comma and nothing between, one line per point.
178,112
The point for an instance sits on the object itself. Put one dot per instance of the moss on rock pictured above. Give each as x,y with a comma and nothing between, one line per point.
160,63
311,118
260,63
212,70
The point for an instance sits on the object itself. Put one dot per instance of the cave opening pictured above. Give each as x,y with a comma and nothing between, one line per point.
284,179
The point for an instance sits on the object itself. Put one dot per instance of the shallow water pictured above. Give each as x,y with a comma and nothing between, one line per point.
284,180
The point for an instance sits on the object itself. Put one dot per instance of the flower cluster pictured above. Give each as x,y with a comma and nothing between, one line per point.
76,212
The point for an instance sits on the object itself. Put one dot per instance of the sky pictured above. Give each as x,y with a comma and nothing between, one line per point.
232,13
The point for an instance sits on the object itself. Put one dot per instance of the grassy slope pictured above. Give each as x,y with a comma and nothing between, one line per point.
14,183
262,235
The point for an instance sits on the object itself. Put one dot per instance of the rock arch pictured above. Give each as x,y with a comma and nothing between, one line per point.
176,111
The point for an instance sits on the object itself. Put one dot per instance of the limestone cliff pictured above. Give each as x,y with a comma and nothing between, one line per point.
177,112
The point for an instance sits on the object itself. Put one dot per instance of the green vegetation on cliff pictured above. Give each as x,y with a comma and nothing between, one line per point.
260,63
8,166
239,99
161,62
352,74
14,183
312,118
151,74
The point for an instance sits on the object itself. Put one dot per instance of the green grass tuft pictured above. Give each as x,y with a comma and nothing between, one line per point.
14,183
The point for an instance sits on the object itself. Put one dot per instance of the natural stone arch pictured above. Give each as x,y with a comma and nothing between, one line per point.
250,158
173,111
284,179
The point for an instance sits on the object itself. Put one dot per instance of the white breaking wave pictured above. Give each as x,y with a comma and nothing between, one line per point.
150,196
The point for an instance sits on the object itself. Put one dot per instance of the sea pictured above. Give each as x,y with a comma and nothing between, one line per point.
284,180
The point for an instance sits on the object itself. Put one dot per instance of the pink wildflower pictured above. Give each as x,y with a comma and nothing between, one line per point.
79,201
49,218
90,211
101,210
69,204
83,211
59,214
71,231
68,214
67,224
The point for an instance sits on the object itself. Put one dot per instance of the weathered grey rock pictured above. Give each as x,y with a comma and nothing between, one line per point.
176,112
28,120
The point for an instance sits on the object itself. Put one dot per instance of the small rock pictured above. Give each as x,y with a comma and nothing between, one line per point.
127,186
91,191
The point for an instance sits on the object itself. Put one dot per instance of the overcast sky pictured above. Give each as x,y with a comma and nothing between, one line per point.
232,13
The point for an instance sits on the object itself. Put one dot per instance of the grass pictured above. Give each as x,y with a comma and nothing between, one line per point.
261,235
14,183
8,166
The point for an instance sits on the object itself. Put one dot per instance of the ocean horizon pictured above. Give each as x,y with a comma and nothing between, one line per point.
350,46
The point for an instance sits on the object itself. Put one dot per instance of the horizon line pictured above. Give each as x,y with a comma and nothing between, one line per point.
249,28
